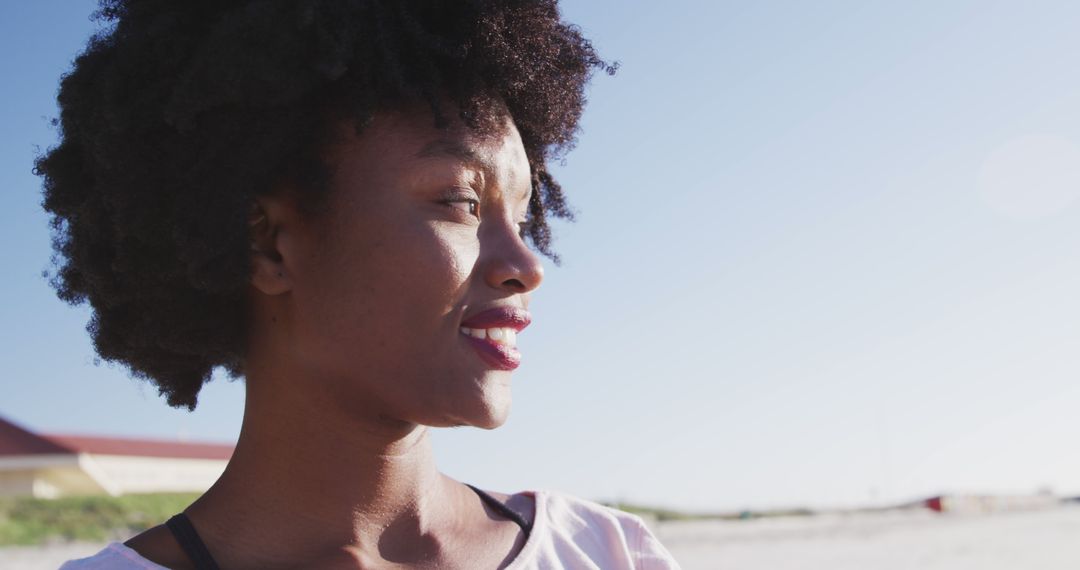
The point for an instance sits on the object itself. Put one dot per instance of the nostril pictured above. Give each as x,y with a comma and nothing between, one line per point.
514,284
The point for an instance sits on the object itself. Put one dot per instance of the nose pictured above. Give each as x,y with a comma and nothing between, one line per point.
510,265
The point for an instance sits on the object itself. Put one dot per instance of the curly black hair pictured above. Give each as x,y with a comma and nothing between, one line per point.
179,114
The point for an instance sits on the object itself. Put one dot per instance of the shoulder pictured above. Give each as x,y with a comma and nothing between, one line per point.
606,537
575,514
157,545
115,556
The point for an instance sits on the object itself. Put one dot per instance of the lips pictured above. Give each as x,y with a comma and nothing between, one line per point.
493,334
499,317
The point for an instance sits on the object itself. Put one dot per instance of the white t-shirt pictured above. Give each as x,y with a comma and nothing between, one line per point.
567,534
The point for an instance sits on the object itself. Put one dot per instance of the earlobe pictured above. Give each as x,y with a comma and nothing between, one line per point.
268,271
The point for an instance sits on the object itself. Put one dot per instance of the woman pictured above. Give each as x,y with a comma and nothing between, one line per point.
330,199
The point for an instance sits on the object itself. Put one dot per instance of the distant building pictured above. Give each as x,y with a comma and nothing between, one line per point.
50,466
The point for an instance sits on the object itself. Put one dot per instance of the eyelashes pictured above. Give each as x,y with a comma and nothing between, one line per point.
468,204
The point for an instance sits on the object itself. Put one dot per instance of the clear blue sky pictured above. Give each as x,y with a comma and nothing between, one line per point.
827,254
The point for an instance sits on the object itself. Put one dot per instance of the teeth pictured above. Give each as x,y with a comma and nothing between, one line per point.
500,335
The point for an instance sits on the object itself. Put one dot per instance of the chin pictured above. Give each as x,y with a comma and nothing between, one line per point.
488,411
493,420
495,404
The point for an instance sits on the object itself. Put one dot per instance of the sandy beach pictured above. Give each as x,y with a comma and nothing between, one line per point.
901,540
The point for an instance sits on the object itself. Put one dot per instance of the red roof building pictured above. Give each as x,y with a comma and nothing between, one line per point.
43,465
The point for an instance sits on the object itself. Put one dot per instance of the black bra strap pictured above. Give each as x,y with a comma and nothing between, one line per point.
506,511
181,528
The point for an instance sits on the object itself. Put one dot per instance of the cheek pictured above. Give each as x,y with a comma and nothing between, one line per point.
451,259
427,267
392,288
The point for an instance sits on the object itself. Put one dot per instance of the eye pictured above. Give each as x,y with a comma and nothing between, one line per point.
470,206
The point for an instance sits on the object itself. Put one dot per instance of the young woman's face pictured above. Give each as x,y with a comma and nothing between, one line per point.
408,289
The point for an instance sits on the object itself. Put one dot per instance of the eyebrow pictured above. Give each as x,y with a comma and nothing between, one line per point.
442,148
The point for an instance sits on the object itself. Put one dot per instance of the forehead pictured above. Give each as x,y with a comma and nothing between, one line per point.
402,137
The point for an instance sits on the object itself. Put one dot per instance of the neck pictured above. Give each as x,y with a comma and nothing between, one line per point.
306,479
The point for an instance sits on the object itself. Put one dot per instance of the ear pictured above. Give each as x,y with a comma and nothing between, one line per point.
269,272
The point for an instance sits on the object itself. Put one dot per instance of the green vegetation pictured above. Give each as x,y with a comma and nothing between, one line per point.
658,514
26,521
672,515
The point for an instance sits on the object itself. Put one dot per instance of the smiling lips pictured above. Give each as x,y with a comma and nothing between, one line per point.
493,333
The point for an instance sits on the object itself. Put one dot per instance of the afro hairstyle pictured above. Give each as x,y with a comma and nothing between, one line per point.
179,114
